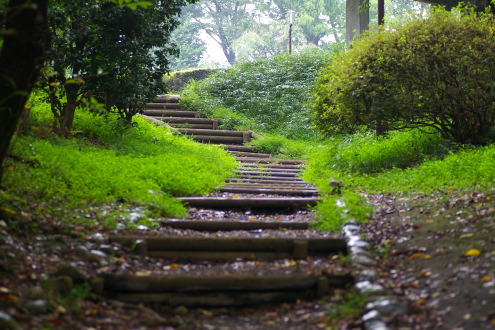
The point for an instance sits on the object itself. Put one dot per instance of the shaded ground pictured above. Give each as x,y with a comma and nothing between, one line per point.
438,253
420,243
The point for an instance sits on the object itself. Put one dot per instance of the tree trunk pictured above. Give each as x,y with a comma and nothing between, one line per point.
67,116
20,60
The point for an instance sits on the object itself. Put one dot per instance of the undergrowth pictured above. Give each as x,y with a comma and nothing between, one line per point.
402,162
266,95
106,163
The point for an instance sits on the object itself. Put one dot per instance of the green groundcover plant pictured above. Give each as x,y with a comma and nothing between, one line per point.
412,162
265,95
105,162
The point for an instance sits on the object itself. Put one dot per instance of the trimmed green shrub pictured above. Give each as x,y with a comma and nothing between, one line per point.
176,81
436,72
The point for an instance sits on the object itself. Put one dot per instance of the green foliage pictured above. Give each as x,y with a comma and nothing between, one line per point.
348,305
142,166
282,146
272,93
365,153
113,51
336,210
176,81
404,162
435,72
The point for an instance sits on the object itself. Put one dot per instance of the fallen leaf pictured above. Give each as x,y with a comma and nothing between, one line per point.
419,255
487,278
421,301
472,253
174,266
466,235
424,274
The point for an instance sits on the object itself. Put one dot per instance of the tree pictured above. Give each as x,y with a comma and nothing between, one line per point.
112,53
188,41
224,22
25,40
435,72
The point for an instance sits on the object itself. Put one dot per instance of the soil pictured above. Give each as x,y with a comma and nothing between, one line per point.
436,253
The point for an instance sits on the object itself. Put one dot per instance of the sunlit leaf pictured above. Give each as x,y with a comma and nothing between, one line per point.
487,278
472,253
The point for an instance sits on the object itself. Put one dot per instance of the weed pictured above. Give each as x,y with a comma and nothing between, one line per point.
145,165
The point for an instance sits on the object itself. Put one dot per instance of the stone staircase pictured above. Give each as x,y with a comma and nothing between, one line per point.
262,185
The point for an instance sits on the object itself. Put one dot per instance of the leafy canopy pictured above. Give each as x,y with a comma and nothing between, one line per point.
435,72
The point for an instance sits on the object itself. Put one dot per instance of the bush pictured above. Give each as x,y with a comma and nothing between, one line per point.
436,72
176,81
273,93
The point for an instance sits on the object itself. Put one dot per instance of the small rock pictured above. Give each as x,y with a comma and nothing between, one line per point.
376,325
37,307
8,323
96,255
72,271
365,274
350,230
387,307
81,251
97,237
34,292
357,242
363,261
370,288
371,316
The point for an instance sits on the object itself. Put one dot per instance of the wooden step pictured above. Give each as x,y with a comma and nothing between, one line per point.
193,123
167,99
273,185
215,132
271,165
228,248
233,147
265,173
270,191
163,106
221,290
227,225
267,180
269,160
255,203
268,169
171,113
218,139
250,154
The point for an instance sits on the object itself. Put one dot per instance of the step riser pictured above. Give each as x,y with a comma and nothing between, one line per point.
163,106
171,113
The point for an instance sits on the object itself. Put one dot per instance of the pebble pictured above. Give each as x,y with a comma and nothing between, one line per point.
7,322
37,307
72,271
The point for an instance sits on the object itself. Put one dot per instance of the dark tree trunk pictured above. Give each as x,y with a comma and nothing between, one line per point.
20,60
67,116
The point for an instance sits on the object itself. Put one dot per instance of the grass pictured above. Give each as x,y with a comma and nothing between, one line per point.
105,163
411,162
